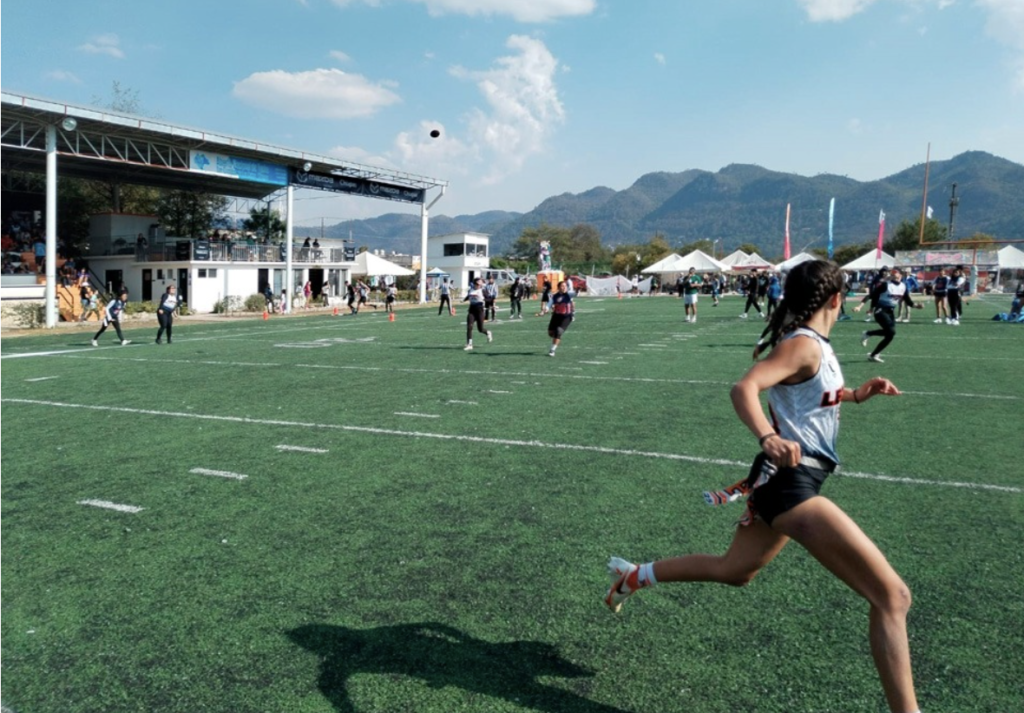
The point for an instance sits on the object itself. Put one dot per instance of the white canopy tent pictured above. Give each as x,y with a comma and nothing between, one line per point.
788,265
698,260
371,265
1011,258
753,262
656,267
735,258
869,261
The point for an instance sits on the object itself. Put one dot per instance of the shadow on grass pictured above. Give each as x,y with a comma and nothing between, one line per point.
443,656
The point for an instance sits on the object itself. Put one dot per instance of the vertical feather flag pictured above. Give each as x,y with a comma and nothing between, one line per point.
831,216
881,233
785,251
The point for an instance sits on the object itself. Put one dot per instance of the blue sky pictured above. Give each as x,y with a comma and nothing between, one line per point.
540,97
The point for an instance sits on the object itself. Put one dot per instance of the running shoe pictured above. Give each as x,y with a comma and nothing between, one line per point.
490,337
468,348
619,570
743,316
94,343
875,357
125,342
863,339
937,321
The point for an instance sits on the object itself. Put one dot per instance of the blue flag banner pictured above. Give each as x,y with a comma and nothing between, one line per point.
831,216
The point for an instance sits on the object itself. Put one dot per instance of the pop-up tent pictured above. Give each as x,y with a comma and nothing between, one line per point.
788,265
1011,258
698,260
656,267
869,261
735,258
369,264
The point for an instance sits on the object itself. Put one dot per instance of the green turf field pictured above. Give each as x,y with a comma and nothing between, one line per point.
348,514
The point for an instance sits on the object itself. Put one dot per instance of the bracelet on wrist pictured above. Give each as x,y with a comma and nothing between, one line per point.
765,437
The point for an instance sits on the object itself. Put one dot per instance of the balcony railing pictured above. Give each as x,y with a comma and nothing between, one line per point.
199,250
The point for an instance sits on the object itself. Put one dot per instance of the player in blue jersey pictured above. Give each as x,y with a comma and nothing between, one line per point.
798,452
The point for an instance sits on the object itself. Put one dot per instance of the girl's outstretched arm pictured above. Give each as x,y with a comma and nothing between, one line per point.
872,387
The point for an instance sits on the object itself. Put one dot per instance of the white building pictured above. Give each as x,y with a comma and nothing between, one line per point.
462,255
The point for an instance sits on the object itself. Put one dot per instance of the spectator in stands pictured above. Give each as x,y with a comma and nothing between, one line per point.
169,304
112,315
140,248
39,250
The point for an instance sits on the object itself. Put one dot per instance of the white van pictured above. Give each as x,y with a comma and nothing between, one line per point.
501,277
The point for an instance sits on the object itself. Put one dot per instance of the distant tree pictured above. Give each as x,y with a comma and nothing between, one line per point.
190,214
748,248
267,223
705,246
907,235
981,241
578,244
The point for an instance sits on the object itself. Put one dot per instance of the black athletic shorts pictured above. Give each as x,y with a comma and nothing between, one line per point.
559,323
786,489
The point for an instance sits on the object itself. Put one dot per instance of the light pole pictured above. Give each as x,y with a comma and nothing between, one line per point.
714,247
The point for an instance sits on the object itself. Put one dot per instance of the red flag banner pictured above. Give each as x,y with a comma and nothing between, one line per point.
881,233
786,247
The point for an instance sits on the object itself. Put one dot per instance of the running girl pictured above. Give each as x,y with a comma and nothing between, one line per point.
475,296
798,452
886,295
562,313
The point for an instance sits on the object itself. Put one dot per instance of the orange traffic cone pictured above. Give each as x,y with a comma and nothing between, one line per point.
391,316
265,315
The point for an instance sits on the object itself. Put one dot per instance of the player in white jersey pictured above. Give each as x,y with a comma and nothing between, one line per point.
805,390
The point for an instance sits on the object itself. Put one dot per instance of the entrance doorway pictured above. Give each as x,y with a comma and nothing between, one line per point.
113,280
183,284
316,282
147,285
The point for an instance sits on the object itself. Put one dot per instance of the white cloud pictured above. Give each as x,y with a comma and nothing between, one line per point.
104,44
61,75
521,10
339,56
1006,24
523,108
834,10
659,58
316,94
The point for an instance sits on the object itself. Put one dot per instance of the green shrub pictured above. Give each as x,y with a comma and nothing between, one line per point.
255,303
140,308
231,303
30,314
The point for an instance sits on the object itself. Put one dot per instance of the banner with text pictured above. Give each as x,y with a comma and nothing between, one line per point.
357,186
246,169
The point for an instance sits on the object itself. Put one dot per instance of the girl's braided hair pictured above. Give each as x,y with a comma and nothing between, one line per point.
808,287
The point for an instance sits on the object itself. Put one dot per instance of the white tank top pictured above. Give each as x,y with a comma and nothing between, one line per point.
808,412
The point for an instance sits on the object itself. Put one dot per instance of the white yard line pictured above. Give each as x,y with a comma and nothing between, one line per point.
417,415
502,374
465,403
107,505
43,378
219,473
490,441
300,449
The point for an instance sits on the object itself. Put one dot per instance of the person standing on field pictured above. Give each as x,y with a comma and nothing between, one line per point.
797,454
692,290
112,315
475,315
516,292
169,304
490,297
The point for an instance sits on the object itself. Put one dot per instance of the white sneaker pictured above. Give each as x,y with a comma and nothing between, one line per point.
761,315
490,337
868,319
875,357
551,352
94,343
949,321
694,318
937,321
125,342
743,316
955,322
468,348
863,339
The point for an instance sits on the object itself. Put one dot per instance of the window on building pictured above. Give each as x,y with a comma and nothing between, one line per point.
202,272
453,249
476,250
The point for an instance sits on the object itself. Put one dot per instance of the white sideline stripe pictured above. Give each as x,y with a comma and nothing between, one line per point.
491,441
301,449
107,505
417,415
219,473
496,391
43,378
502,374
593,362
468,403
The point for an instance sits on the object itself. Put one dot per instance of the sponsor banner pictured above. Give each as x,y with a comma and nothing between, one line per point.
357,186
245,169
928,258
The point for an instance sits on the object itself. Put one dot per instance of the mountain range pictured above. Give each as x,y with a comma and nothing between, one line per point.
741,204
